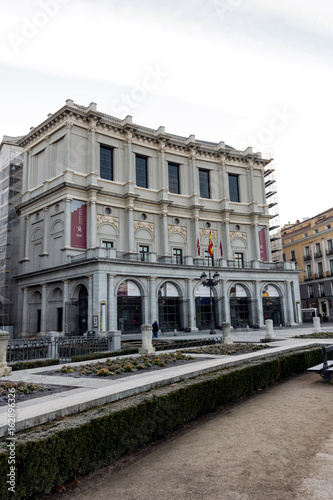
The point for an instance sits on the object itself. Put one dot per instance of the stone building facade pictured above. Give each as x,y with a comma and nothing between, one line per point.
115,224
309,244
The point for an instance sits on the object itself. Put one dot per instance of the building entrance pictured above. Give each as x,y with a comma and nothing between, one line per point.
271,305
169,308
129,307
239,307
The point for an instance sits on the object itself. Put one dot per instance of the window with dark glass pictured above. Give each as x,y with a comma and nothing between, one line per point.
239,262
204,183
320,269
173,169
143,253
106,163
310,290
177,256
107,244
141,163
308,271
233,188
292,255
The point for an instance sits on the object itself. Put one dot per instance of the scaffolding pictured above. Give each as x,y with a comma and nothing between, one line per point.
273,208
11,169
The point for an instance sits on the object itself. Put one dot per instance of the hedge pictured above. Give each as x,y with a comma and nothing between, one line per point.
55,453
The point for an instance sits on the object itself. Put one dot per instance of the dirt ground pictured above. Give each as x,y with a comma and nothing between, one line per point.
277,444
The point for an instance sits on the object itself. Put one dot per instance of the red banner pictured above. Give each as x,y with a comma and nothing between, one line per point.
78,224
262,243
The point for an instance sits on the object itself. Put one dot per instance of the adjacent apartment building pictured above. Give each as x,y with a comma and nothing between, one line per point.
115,222
309,244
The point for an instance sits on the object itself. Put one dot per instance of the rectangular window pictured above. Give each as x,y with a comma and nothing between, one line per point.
284,257
308,272
292,256
331,267
321,290
143,253
106,163
173,169
330,245
204,183
307,251
141,163
177,256
239,262
209,259
233,188
320,269
59,319
310,291
107,244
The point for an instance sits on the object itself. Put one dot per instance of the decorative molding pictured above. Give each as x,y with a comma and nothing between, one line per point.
69,124
161,147
92,126
129,138
178,229
205,232
140,224
238,234
193,153
101,219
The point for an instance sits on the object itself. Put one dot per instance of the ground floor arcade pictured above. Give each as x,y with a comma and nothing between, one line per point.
103,301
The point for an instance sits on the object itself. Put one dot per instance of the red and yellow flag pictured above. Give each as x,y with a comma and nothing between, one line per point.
210,245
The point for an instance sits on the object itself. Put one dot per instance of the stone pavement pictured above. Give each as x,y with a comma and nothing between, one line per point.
90,392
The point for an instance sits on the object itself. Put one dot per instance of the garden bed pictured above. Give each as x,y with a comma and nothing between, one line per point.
226,349
26,390
320,335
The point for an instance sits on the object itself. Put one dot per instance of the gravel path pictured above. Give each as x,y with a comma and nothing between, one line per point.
277,444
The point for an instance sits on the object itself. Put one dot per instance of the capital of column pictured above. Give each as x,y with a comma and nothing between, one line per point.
27,217
66,281
46,209
129,138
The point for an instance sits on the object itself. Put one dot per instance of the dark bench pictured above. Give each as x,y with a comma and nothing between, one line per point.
324,369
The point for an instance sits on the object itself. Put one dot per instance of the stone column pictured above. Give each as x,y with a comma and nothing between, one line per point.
226,333
290,308
93,224
65,299
27,238
269,329
25,183
130,228
112,304
4,369
226,304
165,239
194,172
227,239
250,181
25,312
256,240
92,144
67,236
152,300
90,302
69,126
191,305
46,232
259,317
44,311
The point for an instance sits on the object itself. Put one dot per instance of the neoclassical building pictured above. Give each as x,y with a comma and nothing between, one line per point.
115,224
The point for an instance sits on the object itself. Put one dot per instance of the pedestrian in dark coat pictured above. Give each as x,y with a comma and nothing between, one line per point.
155,329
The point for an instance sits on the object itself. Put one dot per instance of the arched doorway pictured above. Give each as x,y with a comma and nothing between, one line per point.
202,308
129,307
239,307
169,307
83,310
271,304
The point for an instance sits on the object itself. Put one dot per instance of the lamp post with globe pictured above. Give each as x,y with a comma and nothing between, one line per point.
210,282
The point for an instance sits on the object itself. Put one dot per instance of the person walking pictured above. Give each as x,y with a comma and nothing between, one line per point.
155,329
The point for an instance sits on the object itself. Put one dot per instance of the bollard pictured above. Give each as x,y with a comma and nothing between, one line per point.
226,333
52,348
316,325
147,343
114,340
269,329
4,369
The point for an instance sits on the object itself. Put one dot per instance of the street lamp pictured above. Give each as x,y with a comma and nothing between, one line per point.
210,281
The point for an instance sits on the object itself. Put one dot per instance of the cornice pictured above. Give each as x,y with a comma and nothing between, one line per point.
93,120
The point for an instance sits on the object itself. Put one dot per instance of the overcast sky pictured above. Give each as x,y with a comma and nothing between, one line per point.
247,72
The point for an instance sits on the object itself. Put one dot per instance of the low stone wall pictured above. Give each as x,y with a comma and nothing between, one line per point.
53,454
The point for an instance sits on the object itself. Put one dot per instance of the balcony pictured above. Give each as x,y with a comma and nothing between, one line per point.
307,257
329,251
318,254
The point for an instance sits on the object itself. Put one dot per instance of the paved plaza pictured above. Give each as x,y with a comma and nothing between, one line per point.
87,393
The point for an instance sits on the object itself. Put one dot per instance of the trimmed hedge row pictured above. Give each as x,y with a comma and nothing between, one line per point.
36,363
55,453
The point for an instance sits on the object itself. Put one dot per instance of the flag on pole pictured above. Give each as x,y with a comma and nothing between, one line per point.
221,252
198,247
210,245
